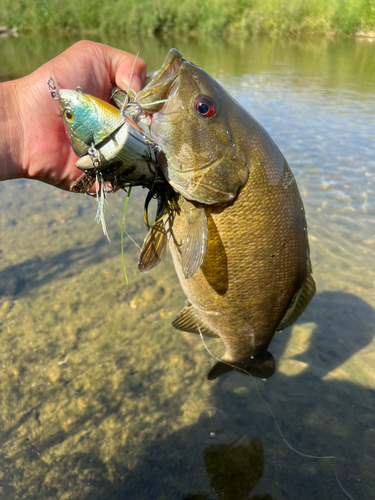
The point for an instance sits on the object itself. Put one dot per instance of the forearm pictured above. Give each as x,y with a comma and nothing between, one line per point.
11,132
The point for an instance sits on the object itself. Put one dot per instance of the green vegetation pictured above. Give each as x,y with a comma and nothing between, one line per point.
214,17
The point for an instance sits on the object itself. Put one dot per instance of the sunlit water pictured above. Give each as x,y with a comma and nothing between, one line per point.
103,399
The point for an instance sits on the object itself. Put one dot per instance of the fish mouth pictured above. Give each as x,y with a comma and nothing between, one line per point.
168,70
151,98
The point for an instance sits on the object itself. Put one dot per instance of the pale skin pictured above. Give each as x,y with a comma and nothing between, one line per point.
33,142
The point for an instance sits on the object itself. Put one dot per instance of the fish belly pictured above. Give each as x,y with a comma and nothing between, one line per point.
255,263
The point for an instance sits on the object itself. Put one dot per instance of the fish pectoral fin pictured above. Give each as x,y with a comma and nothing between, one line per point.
261,366
194,241
154,247
299,302
188,321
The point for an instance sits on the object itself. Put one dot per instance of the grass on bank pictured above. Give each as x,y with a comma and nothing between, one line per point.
214,17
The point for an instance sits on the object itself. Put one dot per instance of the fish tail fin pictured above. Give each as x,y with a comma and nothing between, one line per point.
261,366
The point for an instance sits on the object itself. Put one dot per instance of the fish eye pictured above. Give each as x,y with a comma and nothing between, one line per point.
205,106
69,116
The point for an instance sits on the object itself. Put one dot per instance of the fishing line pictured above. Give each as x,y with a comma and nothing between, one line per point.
155,102
140,248
329,457
131,95
122,234
125,103
127,234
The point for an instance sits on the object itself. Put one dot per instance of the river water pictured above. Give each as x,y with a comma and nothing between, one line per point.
102,399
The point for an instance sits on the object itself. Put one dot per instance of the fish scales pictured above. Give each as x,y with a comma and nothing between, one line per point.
239,239
250,263
239,242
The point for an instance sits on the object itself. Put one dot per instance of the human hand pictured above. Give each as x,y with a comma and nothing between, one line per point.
33,141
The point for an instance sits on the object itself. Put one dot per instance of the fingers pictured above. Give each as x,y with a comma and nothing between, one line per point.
120,65
124,71
45,153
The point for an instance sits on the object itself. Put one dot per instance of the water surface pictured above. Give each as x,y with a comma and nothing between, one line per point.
103,399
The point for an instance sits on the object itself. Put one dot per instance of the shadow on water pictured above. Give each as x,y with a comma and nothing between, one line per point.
226,467
234,450
20,279
79,439
344,324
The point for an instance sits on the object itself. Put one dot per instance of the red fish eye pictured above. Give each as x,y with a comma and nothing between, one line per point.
205,107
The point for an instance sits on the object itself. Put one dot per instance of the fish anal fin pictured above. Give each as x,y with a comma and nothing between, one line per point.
194,240
188,321
261,366
154,248
299,302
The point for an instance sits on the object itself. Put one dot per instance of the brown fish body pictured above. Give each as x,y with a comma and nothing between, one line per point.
256,273
256,261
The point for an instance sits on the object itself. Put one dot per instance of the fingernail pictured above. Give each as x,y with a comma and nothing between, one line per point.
135,84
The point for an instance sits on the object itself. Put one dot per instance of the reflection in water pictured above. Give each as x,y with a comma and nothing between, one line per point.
234,465
120,417
328,63
234,469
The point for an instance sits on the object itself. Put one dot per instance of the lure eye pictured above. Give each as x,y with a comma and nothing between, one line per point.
69,116
205,107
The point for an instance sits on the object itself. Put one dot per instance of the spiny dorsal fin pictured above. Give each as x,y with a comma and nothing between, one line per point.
299,302
194,241
188,321
154,248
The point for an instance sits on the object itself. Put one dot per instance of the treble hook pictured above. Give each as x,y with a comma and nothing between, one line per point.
134,115
118,91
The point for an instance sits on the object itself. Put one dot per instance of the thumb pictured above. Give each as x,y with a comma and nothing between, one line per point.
129,76
125,69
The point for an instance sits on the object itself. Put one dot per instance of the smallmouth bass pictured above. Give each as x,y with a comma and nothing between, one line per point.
239,240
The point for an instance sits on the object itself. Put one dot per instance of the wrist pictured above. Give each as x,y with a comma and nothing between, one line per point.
11,132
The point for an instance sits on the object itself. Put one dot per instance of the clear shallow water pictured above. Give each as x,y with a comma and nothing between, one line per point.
129,414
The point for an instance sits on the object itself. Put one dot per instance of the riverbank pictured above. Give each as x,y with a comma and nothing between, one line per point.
194,17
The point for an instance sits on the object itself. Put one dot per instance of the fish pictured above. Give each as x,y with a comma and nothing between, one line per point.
239,238
88,120
100,136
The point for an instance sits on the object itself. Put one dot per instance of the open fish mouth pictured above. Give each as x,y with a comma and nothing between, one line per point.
168,70
151,98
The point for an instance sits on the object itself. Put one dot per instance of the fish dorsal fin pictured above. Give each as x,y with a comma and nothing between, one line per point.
194,240
154,247
188,321
299,302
